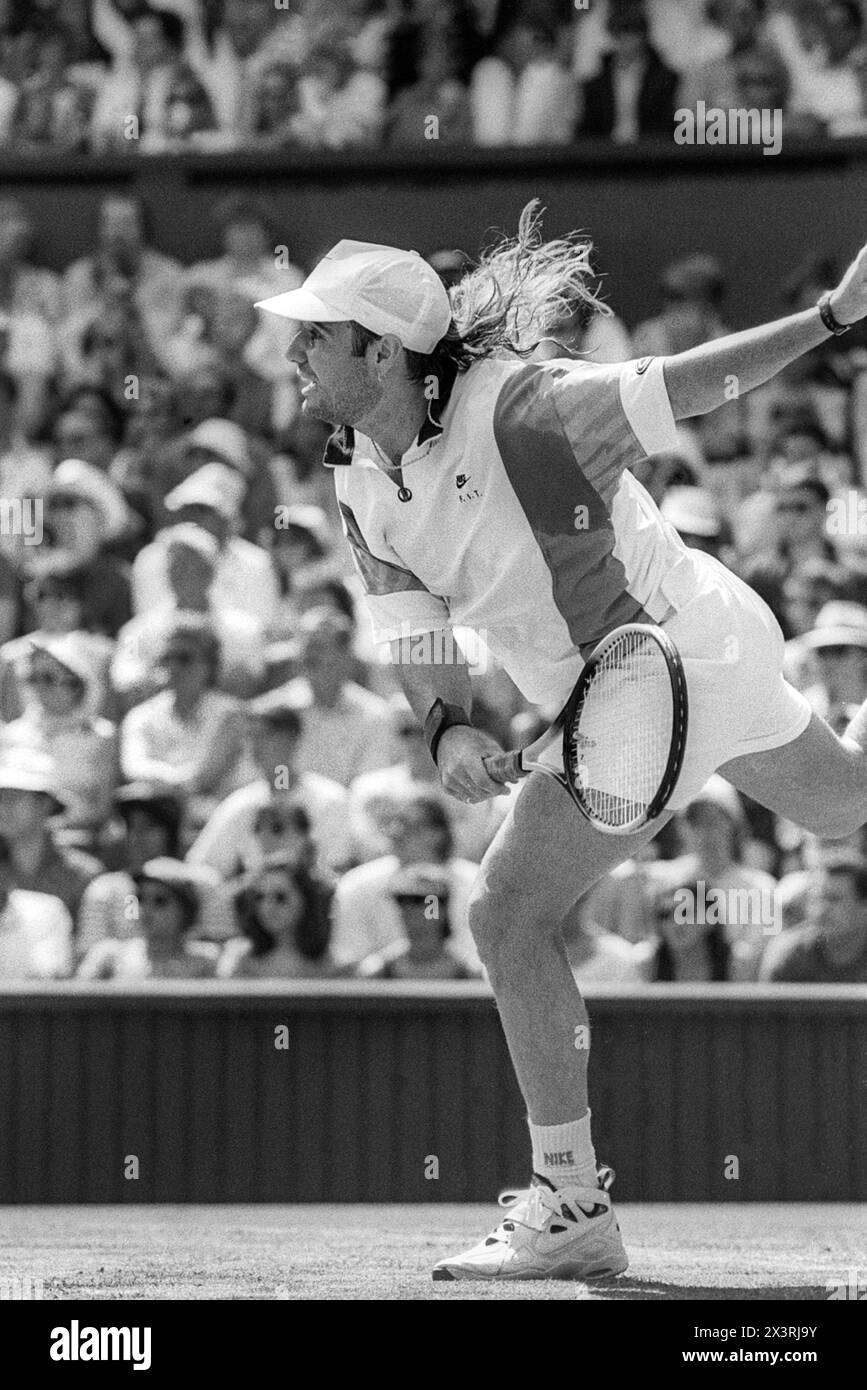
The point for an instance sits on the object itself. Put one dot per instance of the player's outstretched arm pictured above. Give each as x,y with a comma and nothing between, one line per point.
702,379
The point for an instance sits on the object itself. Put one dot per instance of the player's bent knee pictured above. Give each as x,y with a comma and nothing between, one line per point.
500,921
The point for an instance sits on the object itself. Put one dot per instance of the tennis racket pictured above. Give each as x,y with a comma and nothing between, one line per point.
623,732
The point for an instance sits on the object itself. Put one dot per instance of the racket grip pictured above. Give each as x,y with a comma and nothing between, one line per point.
505,767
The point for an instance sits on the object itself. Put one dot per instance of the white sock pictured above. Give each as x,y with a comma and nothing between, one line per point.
564,1153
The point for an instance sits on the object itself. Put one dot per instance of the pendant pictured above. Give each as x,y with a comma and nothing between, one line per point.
404,494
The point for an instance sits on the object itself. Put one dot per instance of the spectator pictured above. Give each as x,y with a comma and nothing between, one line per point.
373,796
634,93
135,105
29,317
35,930
800,502
85,515
275,107
193,555
828,83
128,270
25,468
167,904
347,729
38,861
339,104
717,82
244,578
151,819
687,952
426,950
284,917
838,643
54,607
54,106
228,844
438,91
59,721
832,947
710,884
252,263
522,94
366,917
693,290
189,737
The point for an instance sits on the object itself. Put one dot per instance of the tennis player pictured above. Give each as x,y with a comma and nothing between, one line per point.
483,489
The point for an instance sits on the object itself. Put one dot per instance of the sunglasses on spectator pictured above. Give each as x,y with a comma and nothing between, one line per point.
181,658
276,825
51,681
158,899
64,501
797,508
278,896
837,652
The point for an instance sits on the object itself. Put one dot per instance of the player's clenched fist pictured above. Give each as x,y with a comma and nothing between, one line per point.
849,299
462,770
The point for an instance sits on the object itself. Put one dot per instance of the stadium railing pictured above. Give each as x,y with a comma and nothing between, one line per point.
339,1091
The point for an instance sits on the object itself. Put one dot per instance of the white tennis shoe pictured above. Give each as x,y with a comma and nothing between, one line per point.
567,1232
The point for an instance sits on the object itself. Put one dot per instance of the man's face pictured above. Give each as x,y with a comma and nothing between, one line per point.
800,513
336,386
146,837
833,907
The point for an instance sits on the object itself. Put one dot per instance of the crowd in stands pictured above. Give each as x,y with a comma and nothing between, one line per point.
116,76
207,770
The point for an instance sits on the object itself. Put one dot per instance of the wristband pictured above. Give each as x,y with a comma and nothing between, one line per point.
826,314
441,717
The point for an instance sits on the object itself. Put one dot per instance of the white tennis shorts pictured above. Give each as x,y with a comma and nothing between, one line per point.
731,646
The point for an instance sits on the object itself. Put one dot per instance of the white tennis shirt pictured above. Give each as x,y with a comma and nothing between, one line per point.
520,519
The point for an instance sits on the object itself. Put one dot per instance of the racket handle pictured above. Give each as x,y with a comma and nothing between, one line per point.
505,767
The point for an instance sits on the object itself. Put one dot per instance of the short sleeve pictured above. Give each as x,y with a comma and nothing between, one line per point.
646,405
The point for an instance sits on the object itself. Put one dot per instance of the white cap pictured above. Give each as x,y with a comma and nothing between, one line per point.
383,288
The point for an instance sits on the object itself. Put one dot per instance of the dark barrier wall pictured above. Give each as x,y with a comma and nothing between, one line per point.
382,1084
763,215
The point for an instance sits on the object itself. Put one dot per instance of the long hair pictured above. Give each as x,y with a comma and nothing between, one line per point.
521,289
313,930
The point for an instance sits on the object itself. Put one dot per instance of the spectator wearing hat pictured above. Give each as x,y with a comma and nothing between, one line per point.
244,578
440,88
301,547
151,817
425,951
60,721
85,513
838,646
372,796
190,736
54,607
694,514
237,444
283,912
35,929
367,919
38,861
228,843
193,555
167,906
347,729
831,948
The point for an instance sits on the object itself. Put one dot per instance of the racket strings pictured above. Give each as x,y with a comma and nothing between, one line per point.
620,740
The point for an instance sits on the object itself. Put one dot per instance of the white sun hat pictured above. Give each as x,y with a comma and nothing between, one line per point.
383,288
